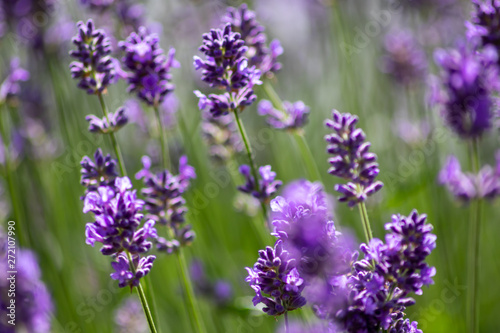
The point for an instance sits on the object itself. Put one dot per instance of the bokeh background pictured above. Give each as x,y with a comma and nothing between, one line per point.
333,58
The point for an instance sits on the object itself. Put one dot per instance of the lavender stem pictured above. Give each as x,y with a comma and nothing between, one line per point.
474,234
142,296
286,322
248,148
113,138
365,221
162,138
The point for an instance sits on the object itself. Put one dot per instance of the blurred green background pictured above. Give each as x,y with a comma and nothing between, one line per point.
318,70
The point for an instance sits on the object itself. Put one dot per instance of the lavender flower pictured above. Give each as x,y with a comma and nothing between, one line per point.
468,79
219,291
124,275
468,186
221,135
276,281
150,69
164,202
244,21
98,5
378,288
10,88
94,67
351,159
116,121
404,59
32,299
485,22
267,184
129,317
293,116
225,67
102,172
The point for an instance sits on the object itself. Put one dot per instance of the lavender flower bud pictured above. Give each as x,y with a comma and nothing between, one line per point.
276,281
351,159
102,172
123,273
468,79
10,88
94,67
244,21
116,121
485,23
267,184
293,116
150,69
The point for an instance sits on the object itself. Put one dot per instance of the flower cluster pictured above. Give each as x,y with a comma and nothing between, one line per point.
150,69
32,299
379,285
100,172
118,216
221,135
468,186
225,67
351,159
164,202
485,22
243,21
276,281
267,184
112,123
10,88
468,79
94,67
404,59
292,116
99,5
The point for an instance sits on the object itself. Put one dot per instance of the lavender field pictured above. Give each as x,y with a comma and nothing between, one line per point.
286,166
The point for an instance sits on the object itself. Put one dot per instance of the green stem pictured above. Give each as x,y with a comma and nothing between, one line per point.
118,153
188,287
142,296
307,156
473,266
162,139
271,93
286,322
248,148
365,221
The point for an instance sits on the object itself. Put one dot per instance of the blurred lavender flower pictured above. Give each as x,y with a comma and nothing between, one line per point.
299,327
468,79
100,172
150,69
276,281
221,136
243,20
293,116
404,59
468,186
219,291
33,302
164,202
351,159
302,221
225,67
10,87
485,23
131,15
117,220
94,67
116,121
98,5
129,317
267,184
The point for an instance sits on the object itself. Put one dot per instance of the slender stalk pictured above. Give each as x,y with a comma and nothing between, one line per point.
162,138
188,287
248,148
286,322
181,261
473,265
118,153
365,221
142,296
307,156
271,93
